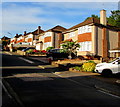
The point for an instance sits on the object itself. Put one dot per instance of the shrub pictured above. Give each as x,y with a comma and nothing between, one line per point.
77,68
30,51
89,66
49,48
43,52
36,51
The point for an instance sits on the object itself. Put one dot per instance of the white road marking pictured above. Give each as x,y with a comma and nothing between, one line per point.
14,94
26,60
109,94
87,86
5,89
76,82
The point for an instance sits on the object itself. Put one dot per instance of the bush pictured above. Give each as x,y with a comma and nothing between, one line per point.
43,52
49,48
30,51
77,68
89,66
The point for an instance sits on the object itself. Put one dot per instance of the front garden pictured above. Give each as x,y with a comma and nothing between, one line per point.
88,66
34,52
76,65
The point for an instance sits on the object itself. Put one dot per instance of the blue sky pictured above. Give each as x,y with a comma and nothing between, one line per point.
18,17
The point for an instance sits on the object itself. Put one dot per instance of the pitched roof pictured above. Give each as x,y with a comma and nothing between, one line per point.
86,22
94,21
17,36
5,38
36,32
57,28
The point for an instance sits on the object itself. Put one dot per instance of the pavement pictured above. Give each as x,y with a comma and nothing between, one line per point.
105,86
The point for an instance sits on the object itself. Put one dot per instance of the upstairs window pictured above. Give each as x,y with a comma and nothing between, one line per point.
71,34
85,46
84,29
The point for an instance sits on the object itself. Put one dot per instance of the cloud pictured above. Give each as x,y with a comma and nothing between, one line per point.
21,16
76,8
18,17
60,1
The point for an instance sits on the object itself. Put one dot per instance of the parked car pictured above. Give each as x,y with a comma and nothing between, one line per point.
109,68
26,49
56,53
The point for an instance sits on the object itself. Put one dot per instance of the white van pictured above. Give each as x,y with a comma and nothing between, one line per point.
109,68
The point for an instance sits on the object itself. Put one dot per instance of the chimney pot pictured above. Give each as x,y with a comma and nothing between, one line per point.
24,33
16,34
103,19
39,27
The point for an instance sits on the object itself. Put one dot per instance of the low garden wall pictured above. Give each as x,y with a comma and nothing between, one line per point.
75,64
21,52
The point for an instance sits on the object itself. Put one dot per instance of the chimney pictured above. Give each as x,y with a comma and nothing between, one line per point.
24,33
16,38
103,19
39,28
16,35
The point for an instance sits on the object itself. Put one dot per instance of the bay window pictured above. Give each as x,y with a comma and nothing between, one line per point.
85,46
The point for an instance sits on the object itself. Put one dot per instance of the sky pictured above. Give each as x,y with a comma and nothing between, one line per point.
27,15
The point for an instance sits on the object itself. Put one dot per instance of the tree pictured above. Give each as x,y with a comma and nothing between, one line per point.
70,47
5,43
94,16
114,18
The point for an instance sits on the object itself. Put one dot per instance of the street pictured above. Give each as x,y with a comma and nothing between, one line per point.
31,86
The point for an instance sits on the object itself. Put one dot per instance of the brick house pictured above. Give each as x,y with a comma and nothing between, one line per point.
25,40
95,36
51,37
14,40
32,37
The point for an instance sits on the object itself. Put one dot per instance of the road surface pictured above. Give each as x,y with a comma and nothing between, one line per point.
30,86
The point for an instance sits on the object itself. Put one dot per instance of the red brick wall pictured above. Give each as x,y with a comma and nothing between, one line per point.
119,39
29,39
104,44
84,37
47,39
12,41
23,40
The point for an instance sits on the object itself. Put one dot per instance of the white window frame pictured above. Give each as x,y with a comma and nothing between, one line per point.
84,29
47,34
85,46
71,34
47,44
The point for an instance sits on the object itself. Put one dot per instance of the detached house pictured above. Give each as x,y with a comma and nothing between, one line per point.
14,40
32,37
26,40
95,36
51,37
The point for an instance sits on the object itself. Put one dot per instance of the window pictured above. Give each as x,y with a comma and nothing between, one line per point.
47,44
48,34
71,34
85,46
84,29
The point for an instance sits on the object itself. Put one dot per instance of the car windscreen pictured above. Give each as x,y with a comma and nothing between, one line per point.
55,50
113,60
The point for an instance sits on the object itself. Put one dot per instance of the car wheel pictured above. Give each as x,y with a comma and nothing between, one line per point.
51,58
107,73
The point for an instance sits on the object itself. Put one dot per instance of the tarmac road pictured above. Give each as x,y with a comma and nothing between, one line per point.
31,86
